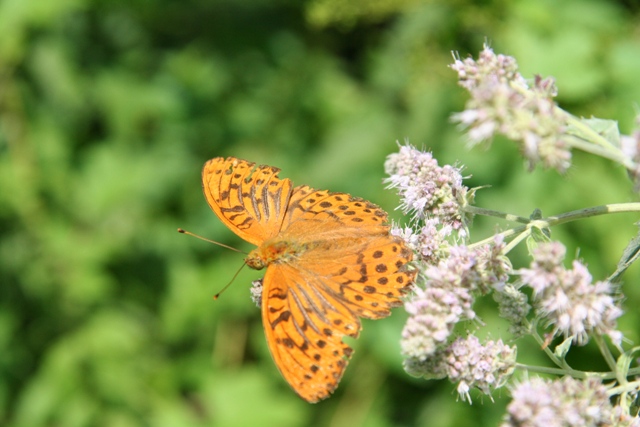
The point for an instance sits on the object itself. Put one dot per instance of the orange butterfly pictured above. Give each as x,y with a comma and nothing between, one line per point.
329,260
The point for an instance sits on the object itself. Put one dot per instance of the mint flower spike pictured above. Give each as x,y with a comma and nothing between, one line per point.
514,307
565,402
428,242
470,364
446,298
503,103
484,367
428,190
256,292
568,300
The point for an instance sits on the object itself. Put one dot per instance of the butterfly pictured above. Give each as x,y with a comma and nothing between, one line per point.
329,260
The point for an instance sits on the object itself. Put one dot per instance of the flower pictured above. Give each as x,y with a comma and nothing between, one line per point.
427,189
568,300
256,292
513,306
447,297
428,242
469,364
473,365
503,103
493,265
565,402
433,312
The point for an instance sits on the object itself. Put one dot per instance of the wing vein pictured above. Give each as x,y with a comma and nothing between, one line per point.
254,202
324,301
276,197
265,199
303,310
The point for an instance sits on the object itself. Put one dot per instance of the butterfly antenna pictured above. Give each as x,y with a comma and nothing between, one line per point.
216,296
180,230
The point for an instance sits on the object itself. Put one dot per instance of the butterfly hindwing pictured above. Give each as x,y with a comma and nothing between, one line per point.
369,275
347,243
304,326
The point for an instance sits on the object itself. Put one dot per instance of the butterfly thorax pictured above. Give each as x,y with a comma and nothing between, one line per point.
273,251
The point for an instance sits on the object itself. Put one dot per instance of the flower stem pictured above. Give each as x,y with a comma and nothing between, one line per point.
605,351
552,220
573,373
489,212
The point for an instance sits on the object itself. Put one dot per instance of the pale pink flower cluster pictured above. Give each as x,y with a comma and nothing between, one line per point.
433,312
560,403
503,103
427,190
428,243
447,297
474,365
256,292
568,300
468,363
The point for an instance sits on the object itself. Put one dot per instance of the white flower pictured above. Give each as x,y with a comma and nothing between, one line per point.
568,300
560,403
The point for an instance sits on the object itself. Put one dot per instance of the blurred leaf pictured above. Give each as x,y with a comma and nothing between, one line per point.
108,110
247,398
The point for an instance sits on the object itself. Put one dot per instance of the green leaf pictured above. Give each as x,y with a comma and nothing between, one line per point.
606,128
624,363
563,348
536,237
629,256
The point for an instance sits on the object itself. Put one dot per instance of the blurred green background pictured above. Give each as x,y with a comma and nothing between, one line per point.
108,110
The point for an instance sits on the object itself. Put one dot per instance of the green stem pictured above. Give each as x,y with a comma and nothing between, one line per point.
505,234
547,222
630,387
541,369
489,212
589,212
606,353
562,364
590,133
572,372
516,241
554,220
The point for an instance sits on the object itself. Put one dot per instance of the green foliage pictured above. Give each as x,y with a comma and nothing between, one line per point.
108,111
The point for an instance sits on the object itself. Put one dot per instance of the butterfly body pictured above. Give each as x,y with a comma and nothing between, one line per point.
329,260
277,251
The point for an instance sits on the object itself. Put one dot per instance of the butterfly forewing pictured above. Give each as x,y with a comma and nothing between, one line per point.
350,211
368,275
250,200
